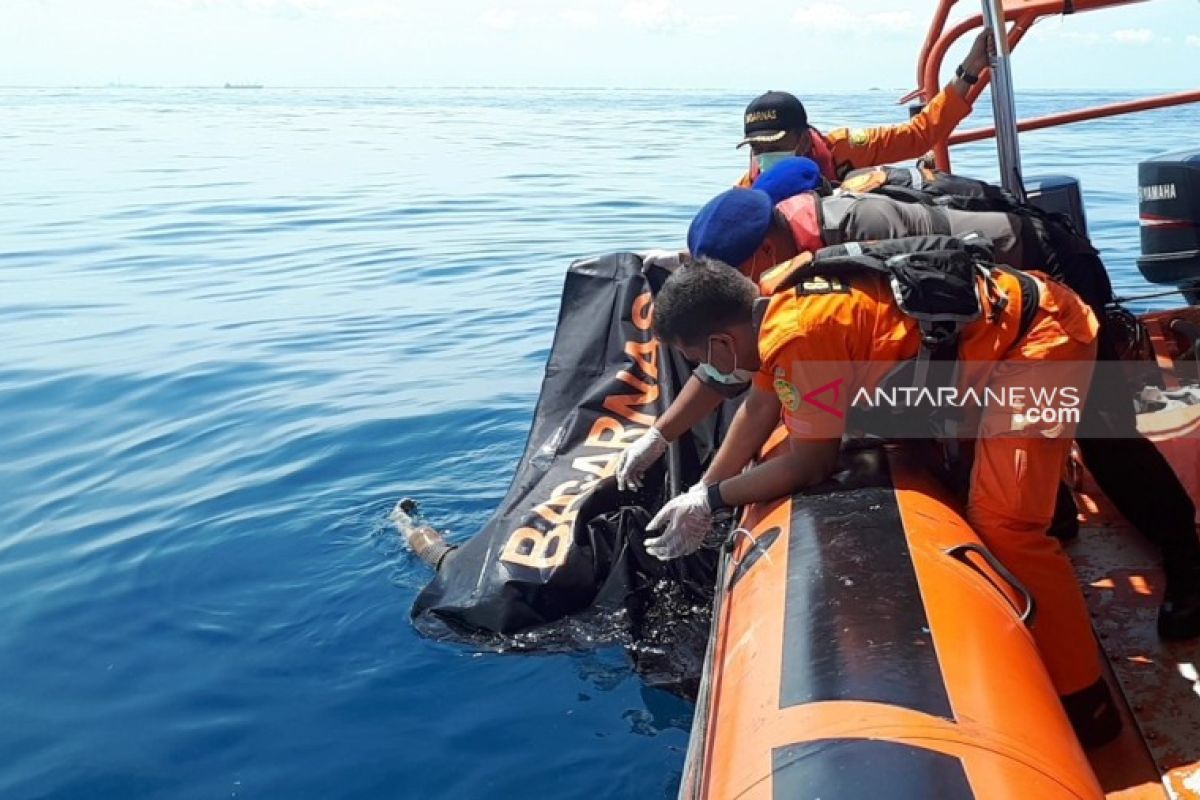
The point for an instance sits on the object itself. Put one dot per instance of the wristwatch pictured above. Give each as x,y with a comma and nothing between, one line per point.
967,78
715,501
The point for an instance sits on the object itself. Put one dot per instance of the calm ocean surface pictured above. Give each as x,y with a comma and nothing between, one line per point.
239,325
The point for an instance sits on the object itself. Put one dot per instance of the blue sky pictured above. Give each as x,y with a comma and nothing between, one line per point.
805,45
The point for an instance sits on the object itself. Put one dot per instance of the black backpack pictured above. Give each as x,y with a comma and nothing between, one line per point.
936,280
1052,242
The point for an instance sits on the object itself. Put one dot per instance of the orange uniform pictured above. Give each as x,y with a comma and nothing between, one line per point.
846,149
820,345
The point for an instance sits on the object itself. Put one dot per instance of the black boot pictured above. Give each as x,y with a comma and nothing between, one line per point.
1179,615
1065,524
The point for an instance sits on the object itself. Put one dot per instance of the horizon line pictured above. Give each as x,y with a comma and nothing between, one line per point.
452,87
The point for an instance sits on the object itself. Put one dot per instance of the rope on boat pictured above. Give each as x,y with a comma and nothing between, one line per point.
1135,298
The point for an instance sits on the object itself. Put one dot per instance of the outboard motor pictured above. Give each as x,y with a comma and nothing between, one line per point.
1058,194
1169,216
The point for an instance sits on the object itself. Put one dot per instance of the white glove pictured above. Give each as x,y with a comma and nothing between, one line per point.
688,520
638,457
670,260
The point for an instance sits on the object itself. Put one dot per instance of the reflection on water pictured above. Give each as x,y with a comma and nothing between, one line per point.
238,327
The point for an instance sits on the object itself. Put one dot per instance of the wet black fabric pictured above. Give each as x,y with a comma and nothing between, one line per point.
564,540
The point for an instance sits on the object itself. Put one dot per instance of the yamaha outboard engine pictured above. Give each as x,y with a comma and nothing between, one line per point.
1169,215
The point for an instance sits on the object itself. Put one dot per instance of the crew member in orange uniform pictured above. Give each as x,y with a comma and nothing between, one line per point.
849,334
776,126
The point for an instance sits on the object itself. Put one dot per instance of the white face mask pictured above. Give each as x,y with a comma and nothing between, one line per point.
767,160
732,378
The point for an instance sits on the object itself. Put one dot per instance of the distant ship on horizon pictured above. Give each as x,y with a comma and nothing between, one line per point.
243,86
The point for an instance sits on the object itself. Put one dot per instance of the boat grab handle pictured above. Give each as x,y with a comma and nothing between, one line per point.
959,553
731,544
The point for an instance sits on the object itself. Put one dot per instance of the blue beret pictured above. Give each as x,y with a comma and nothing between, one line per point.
789,178
731,226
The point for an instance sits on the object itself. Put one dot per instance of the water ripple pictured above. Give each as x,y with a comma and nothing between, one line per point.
238,326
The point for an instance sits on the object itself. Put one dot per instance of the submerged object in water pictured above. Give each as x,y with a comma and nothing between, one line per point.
428,545
564,540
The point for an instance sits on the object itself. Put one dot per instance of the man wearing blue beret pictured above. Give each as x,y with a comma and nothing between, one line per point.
784,215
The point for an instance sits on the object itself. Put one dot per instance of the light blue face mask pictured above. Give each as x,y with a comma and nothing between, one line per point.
767,160
734,378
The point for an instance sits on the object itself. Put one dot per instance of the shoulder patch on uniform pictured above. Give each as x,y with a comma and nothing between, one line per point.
822,285
857,183
788,396
859,137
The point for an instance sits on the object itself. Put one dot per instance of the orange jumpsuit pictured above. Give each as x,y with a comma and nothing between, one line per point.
818,350
846,149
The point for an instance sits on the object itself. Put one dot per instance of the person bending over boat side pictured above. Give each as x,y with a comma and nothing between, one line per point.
734,227
807,336
1129,469
775,125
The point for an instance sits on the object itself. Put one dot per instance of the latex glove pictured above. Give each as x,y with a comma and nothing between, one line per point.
687,520
638,457
670,260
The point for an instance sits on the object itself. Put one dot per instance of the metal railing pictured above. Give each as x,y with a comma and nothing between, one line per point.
1020,16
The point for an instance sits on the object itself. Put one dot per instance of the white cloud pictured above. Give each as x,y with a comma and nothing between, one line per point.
665,15
1133,36
580,18
343,9
830,18
891,20
257,6
715,23
1192,41
499,19
653,15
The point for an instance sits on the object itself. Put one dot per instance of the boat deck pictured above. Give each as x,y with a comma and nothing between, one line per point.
1158,754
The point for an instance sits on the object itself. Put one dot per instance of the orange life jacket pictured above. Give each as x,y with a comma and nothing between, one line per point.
951,312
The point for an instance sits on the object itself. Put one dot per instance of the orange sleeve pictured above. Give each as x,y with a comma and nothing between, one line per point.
813,376
763,381
869,147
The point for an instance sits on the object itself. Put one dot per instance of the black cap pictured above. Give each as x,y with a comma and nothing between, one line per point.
773,115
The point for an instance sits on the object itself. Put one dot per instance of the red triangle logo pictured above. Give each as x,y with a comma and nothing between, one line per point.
832,386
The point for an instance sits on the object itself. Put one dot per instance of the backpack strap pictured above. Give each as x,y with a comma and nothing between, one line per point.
784,276
1031,295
